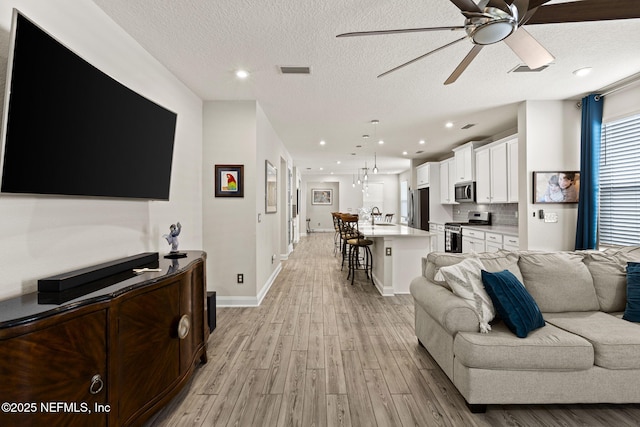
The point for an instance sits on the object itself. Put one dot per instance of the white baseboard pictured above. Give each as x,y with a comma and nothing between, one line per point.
249,301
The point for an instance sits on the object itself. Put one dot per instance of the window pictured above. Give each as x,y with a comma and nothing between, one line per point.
620,182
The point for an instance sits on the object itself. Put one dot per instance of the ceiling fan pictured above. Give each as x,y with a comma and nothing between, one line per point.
492,21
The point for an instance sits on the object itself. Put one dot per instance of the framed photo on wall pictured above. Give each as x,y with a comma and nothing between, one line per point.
229,180
556,187
271,188
322,196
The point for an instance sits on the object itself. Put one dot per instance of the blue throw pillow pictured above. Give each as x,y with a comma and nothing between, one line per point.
516,306
632,310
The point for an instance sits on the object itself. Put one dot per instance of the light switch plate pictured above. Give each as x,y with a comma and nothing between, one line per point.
550,217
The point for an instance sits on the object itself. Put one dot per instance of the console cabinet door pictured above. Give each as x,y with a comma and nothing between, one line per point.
148,348
53,367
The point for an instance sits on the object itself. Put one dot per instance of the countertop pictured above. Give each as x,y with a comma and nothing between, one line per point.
501,229
391,230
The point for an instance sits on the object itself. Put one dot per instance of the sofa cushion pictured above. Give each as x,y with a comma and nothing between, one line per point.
464,280
609,279
558,281
632,310
492,261
616,342
548,348
512,301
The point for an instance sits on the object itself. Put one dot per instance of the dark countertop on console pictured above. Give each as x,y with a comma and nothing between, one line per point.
26,308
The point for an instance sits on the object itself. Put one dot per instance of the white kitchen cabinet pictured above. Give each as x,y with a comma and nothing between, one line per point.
464,162
493,242
491,173
483,176
472,240
512,171
438,231
422,175
447,181
510,243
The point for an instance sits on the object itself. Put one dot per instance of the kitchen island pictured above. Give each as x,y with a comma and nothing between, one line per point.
397,254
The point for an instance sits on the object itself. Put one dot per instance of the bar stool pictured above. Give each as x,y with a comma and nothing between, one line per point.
388,217
358,260
347,231
337,237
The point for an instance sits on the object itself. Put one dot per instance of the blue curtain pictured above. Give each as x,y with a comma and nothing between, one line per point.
587,229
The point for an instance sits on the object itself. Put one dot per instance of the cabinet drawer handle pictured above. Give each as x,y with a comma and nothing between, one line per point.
96,384
184,325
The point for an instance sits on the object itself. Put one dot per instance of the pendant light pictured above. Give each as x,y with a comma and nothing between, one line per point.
375,156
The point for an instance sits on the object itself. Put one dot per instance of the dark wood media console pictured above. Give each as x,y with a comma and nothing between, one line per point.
112,357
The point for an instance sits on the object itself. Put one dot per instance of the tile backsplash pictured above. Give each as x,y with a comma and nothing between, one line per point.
501,214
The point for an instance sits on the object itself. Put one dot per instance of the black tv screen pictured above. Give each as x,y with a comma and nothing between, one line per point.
72,130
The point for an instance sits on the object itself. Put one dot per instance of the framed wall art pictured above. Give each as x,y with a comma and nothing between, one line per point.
322,196
229,180
271,188
556,187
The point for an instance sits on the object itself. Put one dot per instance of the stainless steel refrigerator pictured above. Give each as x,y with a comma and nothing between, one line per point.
418,208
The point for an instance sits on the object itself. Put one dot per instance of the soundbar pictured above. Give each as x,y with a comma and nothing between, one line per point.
83,276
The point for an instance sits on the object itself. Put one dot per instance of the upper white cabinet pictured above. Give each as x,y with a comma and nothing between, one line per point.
447,181
465,162
492,173
512,171
422,175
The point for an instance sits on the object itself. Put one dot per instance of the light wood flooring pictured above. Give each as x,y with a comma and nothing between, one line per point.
320,352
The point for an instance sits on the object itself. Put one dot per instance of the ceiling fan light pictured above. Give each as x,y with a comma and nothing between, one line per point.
492,32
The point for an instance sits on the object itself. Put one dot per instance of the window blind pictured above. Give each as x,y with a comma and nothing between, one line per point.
619,219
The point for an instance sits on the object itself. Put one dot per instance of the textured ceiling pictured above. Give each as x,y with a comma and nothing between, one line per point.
203,42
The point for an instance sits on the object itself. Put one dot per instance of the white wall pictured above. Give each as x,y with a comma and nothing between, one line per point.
549,140
236,241
349,199
43,236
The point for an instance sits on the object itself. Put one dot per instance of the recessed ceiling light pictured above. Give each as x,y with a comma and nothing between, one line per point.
375,122
381,142
421,141
321,169
404,153
338,162
242,74
583,71
322,142
448,124
365,136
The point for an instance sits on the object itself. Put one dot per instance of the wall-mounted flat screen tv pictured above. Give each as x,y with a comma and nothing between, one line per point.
70,129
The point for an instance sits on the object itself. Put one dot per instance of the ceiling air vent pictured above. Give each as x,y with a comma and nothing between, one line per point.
525,69
470,125
295,70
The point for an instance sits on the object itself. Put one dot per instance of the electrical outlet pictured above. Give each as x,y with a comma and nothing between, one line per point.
240,278
387,251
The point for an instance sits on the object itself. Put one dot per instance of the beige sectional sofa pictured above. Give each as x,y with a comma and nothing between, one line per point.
585,353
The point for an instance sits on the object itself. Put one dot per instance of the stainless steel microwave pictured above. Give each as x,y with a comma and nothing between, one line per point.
465,192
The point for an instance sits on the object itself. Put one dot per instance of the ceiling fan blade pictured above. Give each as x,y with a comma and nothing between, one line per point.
581,11
523,7
405,30
537,3
421,57
466,5
464,64
528,49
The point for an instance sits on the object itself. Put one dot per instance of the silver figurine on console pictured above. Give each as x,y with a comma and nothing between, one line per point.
172,237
